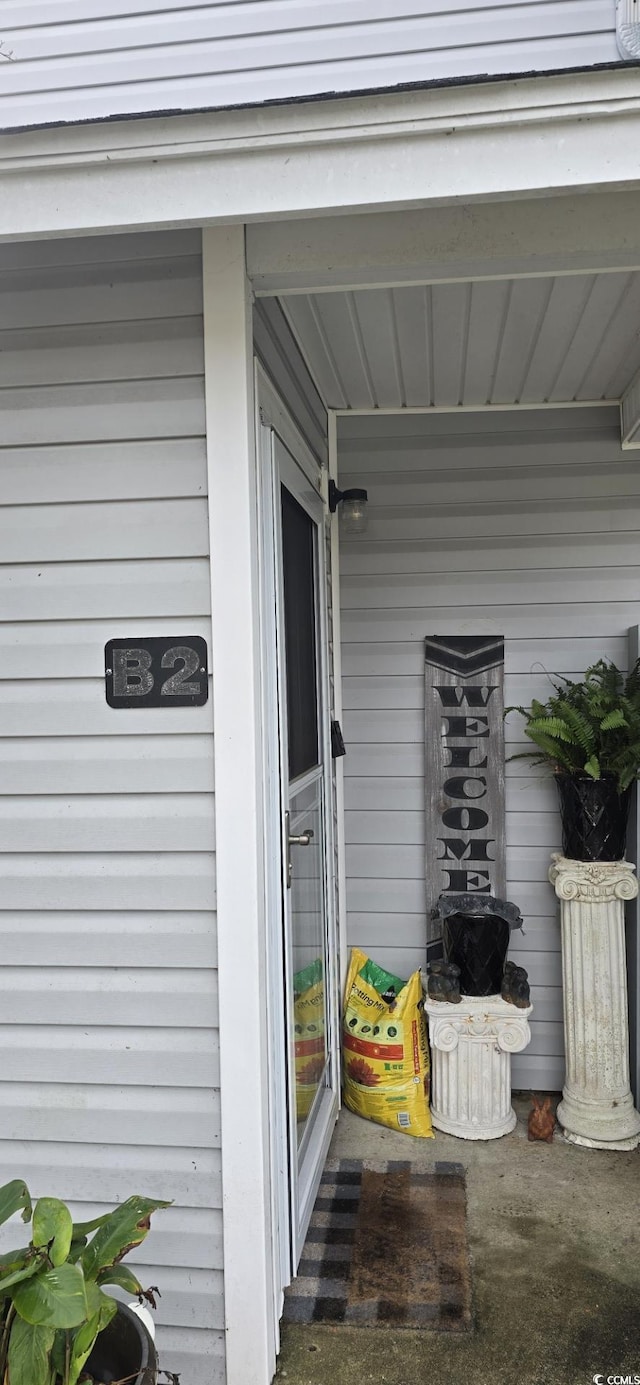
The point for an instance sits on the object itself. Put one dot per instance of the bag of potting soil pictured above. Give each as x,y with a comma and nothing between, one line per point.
309,1042
386,1050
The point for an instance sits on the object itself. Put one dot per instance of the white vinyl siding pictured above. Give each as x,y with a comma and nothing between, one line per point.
522,525
91,59
108,1020
278,351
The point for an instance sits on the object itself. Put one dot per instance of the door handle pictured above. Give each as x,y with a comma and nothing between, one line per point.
302,839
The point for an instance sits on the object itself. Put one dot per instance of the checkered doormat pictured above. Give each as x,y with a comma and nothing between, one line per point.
386,1246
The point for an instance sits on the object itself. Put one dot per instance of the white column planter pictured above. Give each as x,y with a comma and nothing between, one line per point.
597,1106
471,1047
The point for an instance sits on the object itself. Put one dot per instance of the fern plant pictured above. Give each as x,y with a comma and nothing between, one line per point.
589,728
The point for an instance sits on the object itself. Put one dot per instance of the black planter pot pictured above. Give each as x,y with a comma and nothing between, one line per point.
475,932
122,1349
594,818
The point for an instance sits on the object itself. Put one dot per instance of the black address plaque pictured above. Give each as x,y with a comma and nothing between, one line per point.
157,672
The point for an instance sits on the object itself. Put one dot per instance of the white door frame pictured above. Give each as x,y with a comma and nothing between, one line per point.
274,418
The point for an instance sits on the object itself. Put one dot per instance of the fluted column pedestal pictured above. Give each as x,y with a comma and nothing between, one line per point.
471,1047
597,1106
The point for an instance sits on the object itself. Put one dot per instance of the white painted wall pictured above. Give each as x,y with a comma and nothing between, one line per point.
521,524
92,59
108,1037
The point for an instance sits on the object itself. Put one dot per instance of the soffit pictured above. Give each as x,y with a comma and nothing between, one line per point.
528,341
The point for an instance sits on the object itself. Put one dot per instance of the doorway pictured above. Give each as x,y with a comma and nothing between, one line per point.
302,962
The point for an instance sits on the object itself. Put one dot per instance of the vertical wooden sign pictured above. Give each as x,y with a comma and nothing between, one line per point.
464,768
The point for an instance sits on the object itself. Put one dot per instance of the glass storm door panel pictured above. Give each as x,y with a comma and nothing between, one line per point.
309,918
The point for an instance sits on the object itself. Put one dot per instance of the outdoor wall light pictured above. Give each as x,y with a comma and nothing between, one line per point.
353,515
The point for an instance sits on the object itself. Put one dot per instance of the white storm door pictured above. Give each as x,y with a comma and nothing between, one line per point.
310,992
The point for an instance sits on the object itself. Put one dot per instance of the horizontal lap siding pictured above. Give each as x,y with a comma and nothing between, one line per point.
279,354
476,526
103,58
108,988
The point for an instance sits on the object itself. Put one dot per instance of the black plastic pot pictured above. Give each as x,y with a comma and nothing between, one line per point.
122,1349
594,818
475,932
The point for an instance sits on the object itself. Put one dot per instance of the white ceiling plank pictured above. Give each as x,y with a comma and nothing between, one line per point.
527,304
601,305
618,359
414,344
334,317
623,378
630,415
311,337
565,306
487,309
500,344
378,322
352,303
450,308
607,344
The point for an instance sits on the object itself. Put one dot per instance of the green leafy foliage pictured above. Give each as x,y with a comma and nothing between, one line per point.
29,1354
613,720
52,1305
53,1228
54,1298
14,1197
590,727
33,1263
85,1337
122,1230
124,1278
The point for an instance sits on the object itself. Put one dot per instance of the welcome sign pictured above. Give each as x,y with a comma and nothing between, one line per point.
464,767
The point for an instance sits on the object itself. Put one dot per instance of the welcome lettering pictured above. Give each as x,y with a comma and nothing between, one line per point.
464,760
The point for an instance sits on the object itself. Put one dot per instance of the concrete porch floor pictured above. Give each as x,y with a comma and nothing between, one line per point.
555,1249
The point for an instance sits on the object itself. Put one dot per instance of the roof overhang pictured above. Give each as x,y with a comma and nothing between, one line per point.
531,137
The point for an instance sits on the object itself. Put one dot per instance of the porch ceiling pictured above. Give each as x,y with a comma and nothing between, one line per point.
543,340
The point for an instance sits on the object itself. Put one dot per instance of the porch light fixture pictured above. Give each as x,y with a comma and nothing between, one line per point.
353,515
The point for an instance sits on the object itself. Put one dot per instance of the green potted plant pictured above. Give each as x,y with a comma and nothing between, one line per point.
53,1308
588,734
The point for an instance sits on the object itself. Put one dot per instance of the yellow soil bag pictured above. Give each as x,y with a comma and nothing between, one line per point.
386,1050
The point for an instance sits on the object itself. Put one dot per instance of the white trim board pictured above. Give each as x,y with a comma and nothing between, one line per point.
338,710
235,659
477,408
531,137
528,238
